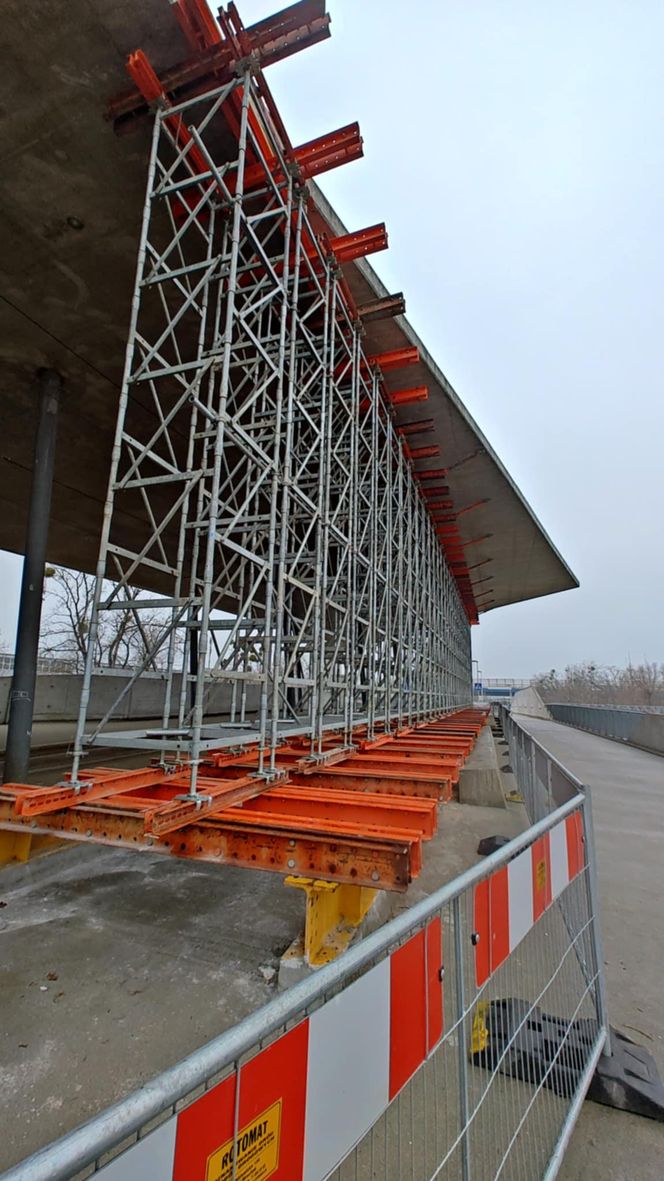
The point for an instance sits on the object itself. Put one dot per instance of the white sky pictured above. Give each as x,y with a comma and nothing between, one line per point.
514,149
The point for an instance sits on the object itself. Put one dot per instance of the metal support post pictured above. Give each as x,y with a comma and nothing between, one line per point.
282,524
32,583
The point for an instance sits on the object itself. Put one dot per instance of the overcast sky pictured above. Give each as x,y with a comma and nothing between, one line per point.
514,149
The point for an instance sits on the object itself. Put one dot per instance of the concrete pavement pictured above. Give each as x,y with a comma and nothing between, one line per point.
627,788
115,964
152,958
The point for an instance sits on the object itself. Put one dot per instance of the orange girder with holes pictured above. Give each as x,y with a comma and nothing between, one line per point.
356,814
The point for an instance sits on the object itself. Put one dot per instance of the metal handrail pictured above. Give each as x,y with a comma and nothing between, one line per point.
63,1158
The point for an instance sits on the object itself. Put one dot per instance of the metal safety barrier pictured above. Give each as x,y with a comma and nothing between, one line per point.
637,726
458,1041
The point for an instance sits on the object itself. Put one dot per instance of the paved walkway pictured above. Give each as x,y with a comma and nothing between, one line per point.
627,789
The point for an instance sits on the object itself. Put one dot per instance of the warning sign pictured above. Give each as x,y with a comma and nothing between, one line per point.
540,875
255,1150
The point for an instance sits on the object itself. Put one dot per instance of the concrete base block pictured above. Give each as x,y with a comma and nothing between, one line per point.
480,780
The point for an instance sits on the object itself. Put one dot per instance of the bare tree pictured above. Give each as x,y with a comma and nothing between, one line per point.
592,684
124,638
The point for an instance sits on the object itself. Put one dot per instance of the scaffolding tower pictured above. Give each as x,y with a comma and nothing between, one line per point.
272,501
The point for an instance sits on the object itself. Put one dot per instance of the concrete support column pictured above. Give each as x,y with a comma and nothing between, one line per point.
32,584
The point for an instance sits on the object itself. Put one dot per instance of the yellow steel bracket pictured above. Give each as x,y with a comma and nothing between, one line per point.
14,846
22,846
333,914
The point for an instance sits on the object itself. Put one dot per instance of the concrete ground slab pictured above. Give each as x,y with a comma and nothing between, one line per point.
153,958
114,965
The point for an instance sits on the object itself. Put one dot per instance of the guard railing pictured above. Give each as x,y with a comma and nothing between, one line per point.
456,1042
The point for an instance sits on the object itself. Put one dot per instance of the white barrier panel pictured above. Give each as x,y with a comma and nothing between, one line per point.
296,1109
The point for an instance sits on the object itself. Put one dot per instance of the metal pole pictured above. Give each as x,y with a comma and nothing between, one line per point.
462,1044
32,584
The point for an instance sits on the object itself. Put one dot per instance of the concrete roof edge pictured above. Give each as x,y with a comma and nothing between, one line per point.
330,215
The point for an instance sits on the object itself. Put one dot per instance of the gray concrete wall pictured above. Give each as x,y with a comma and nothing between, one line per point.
57,696
529,703
633,726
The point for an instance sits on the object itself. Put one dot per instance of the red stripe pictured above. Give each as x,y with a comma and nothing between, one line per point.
278,1073
575,850
408,1034
491,924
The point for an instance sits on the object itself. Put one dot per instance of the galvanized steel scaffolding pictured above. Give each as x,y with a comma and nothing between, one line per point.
282,525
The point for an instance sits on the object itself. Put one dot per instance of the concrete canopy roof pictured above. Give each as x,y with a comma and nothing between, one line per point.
518,553
72,199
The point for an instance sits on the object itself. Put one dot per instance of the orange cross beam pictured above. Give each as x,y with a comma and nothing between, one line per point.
361,861
318,155
431,473
329,151
404,812
418,393
424,452
395,359
197,23
382,309
416,426
360,243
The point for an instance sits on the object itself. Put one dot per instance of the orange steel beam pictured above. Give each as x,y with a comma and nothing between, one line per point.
100,784
418,393
390,760
329,151
395,359
386,865
377,779
431,473
424,452
369,808
429,789
404,812
318,155
268,41
197,23
422,426
359,243
469,508
382,309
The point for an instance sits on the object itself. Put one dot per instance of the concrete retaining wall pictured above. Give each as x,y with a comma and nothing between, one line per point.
633,726
529,703
57,696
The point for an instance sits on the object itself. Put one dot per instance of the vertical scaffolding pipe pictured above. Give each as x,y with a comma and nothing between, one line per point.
22,695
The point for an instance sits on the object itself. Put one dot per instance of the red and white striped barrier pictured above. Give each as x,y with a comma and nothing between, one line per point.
509,902
298,1107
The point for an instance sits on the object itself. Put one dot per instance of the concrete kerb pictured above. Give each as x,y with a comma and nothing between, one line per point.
479,781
